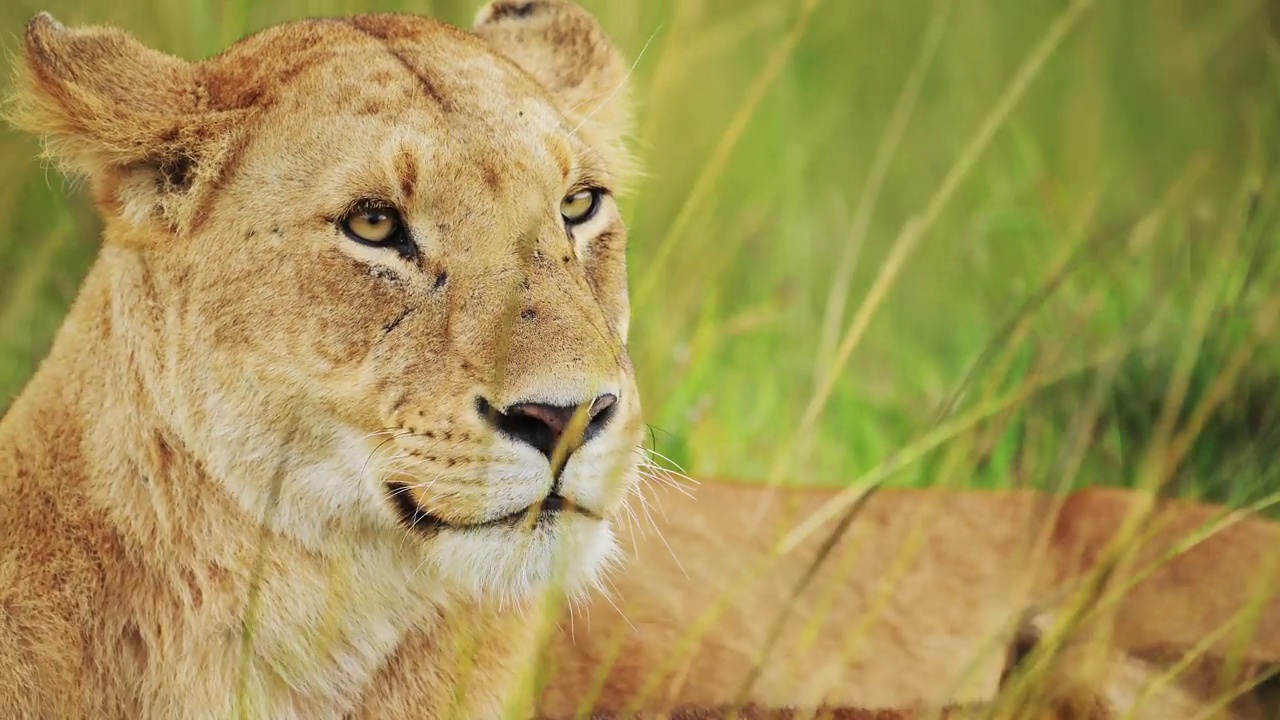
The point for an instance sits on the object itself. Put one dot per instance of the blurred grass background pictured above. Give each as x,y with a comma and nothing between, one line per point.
1117,235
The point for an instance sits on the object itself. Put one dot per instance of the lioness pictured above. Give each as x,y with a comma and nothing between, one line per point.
357,278
346,396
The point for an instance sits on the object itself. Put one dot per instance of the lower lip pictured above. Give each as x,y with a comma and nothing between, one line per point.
547,510
415,518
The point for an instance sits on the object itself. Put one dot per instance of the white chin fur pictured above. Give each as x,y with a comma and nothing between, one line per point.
516,565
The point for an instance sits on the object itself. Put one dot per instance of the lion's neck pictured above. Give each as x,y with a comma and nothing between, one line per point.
130,462
203,574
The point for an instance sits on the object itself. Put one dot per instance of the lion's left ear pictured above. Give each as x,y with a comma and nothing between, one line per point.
564,48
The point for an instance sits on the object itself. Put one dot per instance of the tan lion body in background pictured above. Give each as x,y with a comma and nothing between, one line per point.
271,463
916,604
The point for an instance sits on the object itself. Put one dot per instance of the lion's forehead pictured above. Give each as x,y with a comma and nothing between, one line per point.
452,108
396,106
472,84
371,64
321,162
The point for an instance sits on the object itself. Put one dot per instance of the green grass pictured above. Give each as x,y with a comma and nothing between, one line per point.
1121,221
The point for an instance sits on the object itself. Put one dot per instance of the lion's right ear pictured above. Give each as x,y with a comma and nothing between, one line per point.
131,119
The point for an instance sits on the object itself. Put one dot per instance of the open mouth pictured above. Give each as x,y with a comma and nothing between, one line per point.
539,514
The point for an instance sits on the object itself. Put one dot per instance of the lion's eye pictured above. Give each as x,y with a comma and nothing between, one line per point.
373,225
580,206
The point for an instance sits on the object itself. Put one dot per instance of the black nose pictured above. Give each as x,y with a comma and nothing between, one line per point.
548,427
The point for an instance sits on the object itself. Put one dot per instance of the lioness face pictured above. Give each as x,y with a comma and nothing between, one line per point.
394,280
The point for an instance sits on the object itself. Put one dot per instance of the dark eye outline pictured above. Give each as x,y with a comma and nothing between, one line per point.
399,240
597,199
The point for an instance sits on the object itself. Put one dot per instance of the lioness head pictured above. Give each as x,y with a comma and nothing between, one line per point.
372,272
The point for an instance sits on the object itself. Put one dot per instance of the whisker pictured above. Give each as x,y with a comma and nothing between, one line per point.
408,472
671,467
666,481
376,433
414,574
419,512
608,596
644,503
632,522
666,544
379,446
675,468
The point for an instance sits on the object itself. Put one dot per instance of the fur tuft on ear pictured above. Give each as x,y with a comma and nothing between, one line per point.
564,48
133,120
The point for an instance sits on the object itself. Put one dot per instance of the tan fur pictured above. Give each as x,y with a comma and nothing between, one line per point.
234,358
916,602
197,519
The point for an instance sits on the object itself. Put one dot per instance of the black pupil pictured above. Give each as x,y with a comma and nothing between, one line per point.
375,218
